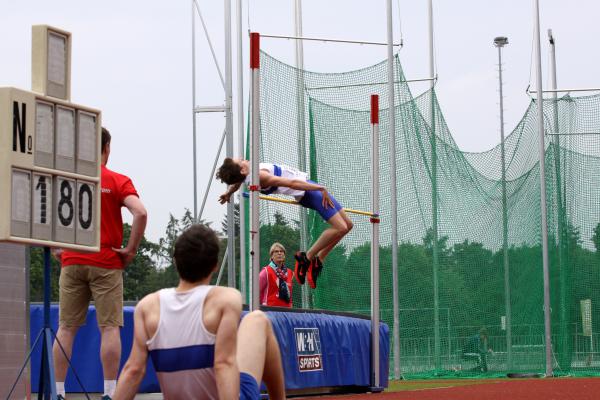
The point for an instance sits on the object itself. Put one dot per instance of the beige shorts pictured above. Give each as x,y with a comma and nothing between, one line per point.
81,283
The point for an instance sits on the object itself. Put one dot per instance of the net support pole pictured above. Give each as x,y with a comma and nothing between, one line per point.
560,212
254,160
301,129
507,300
434,198
195,169
543,209
393,199
375,372
240,120
229,145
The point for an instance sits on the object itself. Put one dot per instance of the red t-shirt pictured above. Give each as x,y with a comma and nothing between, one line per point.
115,188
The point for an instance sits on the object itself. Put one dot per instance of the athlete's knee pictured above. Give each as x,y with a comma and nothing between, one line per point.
349,225
67,332
345,228
258,320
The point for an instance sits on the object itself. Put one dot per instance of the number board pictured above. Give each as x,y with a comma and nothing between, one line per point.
49,171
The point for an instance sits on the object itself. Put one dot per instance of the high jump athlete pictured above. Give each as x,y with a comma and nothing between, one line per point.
286,180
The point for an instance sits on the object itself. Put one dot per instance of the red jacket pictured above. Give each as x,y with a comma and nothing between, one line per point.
269,287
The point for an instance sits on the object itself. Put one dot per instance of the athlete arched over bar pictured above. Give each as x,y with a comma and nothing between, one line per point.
286,180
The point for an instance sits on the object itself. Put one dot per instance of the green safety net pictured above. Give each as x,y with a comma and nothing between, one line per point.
481,269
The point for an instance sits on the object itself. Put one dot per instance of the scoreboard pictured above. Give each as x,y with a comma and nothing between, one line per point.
49,155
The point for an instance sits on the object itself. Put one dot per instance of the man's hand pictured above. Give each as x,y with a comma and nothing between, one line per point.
127,255
224,198
57,253
327,202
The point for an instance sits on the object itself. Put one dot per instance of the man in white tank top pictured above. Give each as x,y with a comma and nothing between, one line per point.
191,334
282,179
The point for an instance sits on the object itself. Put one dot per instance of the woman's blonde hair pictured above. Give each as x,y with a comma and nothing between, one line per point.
275,246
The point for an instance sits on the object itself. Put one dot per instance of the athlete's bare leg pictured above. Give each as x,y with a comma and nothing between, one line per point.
340,225
258,353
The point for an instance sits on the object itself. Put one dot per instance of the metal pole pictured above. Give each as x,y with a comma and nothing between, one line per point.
229,146
254,160
562,261
436,295
49,381
301,128
198,217
193,110
375,377
241,149
393,190
500,42
544,227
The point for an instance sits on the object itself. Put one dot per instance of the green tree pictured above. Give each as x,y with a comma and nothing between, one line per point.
140,276
167,274
36,275
596,238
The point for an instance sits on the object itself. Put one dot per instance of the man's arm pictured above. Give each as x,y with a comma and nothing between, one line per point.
135,368
226,369
138,226
224,198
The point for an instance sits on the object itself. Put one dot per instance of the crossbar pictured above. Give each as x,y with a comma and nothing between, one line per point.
288,201
328,40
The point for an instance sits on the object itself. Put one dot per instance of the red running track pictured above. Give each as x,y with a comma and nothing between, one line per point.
522,389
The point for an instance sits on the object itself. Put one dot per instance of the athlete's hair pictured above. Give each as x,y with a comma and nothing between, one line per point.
196,253
230,172
105,138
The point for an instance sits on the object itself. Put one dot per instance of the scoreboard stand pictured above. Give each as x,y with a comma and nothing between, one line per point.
50,161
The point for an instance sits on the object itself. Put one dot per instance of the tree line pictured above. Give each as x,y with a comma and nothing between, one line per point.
471,289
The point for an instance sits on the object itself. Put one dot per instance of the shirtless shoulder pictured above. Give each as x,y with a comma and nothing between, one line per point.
149,309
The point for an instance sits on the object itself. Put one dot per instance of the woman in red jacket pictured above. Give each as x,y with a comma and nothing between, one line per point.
275,280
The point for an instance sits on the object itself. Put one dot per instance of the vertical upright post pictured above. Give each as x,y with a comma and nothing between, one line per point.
393,190
301,128
561,219
47,384
375,376
543,209
241,149
194,110
254,160
434,207
500,42
229,145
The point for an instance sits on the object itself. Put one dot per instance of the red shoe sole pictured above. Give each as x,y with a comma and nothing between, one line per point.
311,283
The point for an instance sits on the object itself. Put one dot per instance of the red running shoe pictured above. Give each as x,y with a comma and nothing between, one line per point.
302,264
315,268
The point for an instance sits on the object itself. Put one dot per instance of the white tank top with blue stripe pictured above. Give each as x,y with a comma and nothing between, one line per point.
285,171
182,350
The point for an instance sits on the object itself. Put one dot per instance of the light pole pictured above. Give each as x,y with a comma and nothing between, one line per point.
500,42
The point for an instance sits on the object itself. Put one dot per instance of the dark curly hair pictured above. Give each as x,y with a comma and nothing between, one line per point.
196,253
230,172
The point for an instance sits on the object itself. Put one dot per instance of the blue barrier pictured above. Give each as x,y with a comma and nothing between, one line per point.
318,350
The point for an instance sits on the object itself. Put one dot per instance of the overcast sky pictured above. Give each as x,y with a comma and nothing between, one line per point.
132,60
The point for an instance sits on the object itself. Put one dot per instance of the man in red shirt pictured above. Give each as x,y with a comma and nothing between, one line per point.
99,276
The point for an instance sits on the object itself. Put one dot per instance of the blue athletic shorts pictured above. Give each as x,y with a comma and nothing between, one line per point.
248,387
313,199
